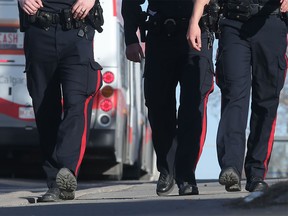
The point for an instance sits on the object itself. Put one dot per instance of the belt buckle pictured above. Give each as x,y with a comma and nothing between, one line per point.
170,20
170,26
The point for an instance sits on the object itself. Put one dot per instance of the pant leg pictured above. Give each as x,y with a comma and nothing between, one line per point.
159,89
269,71
233,71
196,83
44,88
80,78
60,58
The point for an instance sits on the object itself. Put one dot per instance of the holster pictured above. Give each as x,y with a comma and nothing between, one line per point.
23,21
95,17
210,18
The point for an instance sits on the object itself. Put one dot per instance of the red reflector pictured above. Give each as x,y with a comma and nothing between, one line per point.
5,60
106,105
108,77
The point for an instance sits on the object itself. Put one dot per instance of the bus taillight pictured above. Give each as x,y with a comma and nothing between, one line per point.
108,77
107,91
106,105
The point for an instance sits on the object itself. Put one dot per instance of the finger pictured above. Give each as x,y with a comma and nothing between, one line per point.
84,14
195,46
39,2
31,10
76,7
198,39
34,6
26,11
79,13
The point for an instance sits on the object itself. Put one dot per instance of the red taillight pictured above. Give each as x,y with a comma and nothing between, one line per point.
108,77
106,105
107,91
6,60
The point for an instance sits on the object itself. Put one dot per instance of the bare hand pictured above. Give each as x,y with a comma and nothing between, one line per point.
134,52
81,8
194,36
30,6
283,6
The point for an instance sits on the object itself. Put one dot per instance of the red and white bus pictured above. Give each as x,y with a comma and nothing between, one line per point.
120,144
17,125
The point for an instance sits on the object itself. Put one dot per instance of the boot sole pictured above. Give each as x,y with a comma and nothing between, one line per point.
66,181
233,188
229,177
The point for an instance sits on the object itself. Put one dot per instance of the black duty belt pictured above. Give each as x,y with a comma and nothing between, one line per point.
45,19
264,10
168,21
245,12
171,25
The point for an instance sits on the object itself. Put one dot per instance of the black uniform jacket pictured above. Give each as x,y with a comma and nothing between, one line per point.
131,10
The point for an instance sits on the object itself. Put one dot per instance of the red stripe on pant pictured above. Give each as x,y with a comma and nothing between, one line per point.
204,124
84,135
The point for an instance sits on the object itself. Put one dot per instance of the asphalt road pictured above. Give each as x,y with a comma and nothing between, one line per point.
19,197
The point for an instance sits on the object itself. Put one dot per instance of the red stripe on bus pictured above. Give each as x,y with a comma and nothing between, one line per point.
148,135
9,23
130,136
114,8
12,52
11,109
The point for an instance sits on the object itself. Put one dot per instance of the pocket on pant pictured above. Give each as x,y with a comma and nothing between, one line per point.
220,78
94,78
282,70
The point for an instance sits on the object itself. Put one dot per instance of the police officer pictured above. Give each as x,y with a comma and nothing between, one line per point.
252,47
169,60
60,65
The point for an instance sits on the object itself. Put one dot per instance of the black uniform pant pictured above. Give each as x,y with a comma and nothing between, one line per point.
169,61
60,64
250,54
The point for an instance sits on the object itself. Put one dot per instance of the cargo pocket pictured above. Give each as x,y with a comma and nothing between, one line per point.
94,78
282,70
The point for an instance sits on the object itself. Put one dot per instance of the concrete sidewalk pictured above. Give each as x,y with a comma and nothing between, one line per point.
131,198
